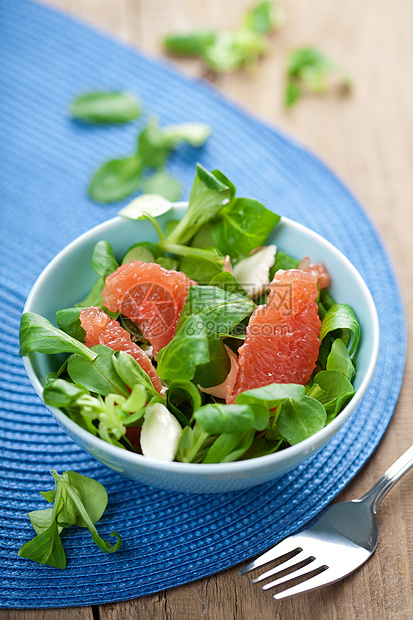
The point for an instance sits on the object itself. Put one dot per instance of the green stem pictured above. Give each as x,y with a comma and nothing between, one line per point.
174,236
58,486
184,250
196,447
106,547
155,223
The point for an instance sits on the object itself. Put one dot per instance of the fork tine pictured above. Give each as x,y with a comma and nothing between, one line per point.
283,566
305,570
282,548
322,579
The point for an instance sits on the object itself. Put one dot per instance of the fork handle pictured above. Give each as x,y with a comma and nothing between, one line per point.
391,476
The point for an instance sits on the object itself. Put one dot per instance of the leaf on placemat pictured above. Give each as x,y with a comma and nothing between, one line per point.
105,107
116,179
77,500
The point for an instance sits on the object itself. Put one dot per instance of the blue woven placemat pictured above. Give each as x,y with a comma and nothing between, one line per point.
45,162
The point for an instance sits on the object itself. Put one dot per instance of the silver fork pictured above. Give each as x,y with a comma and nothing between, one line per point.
341,540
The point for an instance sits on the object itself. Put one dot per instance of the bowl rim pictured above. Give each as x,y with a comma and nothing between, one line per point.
250,465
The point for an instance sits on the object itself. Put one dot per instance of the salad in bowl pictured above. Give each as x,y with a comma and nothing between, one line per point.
207,339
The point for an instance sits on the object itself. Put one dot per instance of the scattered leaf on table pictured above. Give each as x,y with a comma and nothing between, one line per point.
106,107
116,179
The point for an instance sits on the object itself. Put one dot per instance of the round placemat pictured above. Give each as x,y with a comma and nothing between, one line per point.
46,161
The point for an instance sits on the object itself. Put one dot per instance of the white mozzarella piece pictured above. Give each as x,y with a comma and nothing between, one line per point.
160,433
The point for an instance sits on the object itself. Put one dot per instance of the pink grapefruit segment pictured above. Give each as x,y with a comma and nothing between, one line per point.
101,329
318,269
150,295
282,341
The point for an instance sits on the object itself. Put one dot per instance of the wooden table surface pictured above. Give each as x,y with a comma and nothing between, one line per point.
367,138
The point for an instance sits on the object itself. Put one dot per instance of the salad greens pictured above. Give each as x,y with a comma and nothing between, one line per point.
162,183
106,107
118,178
107,392
229,50
38,334
340,318
77,500
97,375
68,320
298,419
144,169
309,70
220,310
103,259
187,350
240,227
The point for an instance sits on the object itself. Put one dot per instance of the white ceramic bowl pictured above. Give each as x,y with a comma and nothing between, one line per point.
68,278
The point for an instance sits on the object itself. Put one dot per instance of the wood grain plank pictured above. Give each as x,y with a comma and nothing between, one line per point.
368,139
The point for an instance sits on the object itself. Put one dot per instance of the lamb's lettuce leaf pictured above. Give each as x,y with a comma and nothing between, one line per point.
242,225
38,334
187,350
220,310
299,419
342,322
97,375
208,196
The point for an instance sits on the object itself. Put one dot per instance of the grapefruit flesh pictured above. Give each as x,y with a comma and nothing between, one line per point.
282,341
101,329
150,295
318,269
